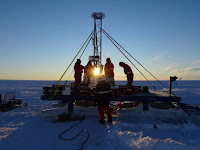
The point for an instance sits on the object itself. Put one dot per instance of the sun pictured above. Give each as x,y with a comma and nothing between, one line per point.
96,71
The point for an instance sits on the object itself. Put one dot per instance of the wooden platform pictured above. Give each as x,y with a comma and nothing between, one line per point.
118,94
86,97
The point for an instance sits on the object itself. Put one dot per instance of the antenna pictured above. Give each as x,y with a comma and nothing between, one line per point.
97,37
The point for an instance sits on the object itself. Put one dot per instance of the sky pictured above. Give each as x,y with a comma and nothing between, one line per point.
39,38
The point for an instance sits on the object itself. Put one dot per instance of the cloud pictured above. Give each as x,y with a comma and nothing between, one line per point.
176,71
196,62
170,67
159,56
193,69
185,71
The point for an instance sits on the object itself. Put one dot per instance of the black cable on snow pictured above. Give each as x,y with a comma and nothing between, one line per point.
69,139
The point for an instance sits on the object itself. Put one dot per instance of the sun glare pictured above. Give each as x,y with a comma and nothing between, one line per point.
96,71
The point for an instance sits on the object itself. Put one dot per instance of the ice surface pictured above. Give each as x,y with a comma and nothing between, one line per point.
24,128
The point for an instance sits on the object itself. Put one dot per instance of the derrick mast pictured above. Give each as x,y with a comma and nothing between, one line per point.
97,37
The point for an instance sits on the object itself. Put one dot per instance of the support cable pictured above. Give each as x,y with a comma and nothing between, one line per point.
85,48
129,60
69,77
79,58
70,65
135,59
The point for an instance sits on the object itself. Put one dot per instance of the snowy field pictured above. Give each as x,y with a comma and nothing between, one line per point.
25,128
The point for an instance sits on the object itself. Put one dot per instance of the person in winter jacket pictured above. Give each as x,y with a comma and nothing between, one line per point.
109,71
88,72
103,98
129,75
78,68
109,68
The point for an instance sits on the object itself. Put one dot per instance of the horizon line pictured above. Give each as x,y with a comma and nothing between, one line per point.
74,80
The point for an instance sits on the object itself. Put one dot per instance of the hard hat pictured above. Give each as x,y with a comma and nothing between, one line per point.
108,60
78,60
121,63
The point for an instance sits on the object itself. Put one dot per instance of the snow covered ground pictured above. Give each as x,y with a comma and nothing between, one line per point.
25,128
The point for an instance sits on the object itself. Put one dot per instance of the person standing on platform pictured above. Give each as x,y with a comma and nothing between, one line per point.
88,72
109,71
78,68
129,75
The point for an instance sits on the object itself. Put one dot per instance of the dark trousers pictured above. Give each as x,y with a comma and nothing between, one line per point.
77,80
129,80
107,110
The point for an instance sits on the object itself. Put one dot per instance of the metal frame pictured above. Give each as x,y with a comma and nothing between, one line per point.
97,37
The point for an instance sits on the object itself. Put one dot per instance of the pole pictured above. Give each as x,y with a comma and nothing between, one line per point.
172,79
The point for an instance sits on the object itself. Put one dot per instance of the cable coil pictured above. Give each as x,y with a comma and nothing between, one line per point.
69,139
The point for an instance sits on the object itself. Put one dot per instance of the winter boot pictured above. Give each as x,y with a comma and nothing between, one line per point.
102,121
110,120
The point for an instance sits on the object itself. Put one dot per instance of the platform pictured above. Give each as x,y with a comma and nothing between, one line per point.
118,93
